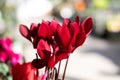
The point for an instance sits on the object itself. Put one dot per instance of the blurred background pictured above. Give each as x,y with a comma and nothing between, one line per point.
97,59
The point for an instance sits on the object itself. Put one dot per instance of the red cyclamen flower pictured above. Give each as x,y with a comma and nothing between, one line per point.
55,42
73,34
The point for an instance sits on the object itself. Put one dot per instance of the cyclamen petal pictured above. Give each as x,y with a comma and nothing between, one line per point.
14,58
43,30
8,42
23,72
25,32
80,38
42,46
51,61
61,56
74,30
64,35
87,25
53,25
52,28
35,41
3,56
33,29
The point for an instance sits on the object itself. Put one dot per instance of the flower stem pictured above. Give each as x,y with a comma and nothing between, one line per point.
37,72
58,70
65,68
53,74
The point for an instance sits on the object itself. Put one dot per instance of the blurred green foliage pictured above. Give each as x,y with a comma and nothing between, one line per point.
5,72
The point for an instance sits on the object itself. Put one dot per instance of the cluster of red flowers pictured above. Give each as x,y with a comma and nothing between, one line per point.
55,42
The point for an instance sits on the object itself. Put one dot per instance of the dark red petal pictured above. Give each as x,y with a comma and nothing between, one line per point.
51,62
42,46
64,35
80,39
77,19
57,37
34,29
39,63
35,41
87,25
43,30
25,31
46,54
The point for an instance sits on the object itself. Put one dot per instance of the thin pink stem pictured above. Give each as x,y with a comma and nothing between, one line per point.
58,70
65,69
37,72
53,74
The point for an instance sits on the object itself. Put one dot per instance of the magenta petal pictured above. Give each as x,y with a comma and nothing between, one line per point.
64,35
51,61
14,58
87,25
3,56
8,42
25,31
42,47
43,30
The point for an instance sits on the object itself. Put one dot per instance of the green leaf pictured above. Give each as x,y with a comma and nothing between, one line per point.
4,69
